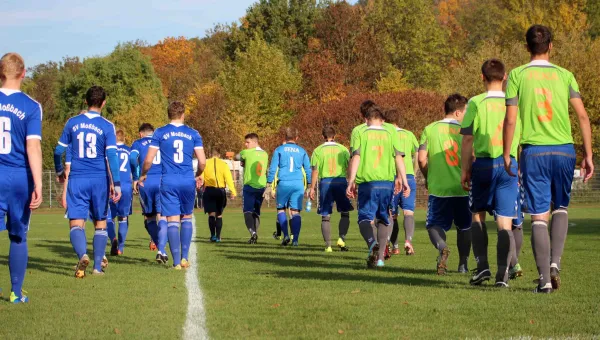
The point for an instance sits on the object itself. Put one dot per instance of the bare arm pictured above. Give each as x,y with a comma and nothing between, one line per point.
34,154
587,164
401,180
352,170
201,161
508,133
467,161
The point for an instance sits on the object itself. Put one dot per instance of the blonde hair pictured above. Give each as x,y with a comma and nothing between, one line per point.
12,66
120,135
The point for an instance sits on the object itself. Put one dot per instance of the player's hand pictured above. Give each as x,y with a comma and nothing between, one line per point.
36,198
199,182
115,193
60,178
135,187
508,166
587,168
465,180
405,190
268,194
312,194
141,180
351,190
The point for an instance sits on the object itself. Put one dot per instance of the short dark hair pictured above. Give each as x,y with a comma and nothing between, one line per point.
493,70
146,127
538,39
455,102
375,113
252,136
176,110
392,116
328,132
95,96
291,133
365,106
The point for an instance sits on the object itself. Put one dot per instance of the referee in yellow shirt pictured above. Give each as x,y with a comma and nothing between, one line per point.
216,176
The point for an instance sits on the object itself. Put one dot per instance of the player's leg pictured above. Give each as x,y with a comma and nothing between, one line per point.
150,221
563,166
537,181
367,210
344,207
251,218
258,201
408,205
210,208
383,196
123,209
282,198
100,212
515,269
14,204
296,202
463,219
326,201
187,196
481,201
439,221
221,204
111,221
78,203
395,209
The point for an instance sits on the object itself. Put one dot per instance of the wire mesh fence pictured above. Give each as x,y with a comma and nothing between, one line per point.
588,193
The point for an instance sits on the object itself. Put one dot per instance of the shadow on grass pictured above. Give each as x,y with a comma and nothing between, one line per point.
61,268
395,280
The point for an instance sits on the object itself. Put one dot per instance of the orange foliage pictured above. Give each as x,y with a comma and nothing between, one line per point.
172,59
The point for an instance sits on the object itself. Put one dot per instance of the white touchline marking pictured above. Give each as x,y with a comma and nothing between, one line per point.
195,322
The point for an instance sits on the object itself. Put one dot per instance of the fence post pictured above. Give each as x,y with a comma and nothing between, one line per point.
50,188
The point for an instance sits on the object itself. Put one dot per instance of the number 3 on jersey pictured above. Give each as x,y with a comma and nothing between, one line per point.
451,151
178,156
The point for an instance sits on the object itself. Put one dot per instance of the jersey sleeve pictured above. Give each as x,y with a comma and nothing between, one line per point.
34,123
314,161
111,137
198,143
512,89
573,87
306,165
68,155
243,158
414,141
355,142
345,155
397,145
467,125
65,137
273,167
423,142
155,141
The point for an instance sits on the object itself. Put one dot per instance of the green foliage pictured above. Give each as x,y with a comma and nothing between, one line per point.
256,86
393,81
593,16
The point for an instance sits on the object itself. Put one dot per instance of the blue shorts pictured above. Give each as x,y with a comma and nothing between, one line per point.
123,207
518,221
443,211
406,203
177,195
333,190
150,195
374,201
87,197
547,176
290,194
253,199
15,197
493,190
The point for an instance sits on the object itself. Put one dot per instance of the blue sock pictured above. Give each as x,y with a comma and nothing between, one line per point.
162,236
174,242
152,228
295,225
100,239
282,218
123,228
110,228
186,237
17,265
78,241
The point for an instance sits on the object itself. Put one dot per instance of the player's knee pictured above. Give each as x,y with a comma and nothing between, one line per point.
408,213
18,239
326,218
561,210
345,215
294,212
123,219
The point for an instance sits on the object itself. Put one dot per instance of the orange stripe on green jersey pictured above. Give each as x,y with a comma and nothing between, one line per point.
255,162
408,145
542,92
442,141
377,147
331,160
484,121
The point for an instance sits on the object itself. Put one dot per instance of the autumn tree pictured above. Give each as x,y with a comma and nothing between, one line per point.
323,78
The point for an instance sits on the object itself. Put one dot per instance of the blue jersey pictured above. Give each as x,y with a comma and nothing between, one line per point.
87,137
288,161
177,143
125,166
20,120
139,148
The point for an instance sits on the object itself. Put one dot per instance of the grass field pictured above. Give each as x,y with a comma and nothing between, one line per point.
264,291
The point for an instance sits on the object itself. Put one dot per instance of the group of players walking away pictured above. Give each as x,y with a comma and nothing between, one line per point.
471,160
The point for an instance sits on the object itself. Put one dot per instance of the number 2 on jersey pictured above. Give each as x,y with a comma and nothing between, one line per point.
125,158
451,151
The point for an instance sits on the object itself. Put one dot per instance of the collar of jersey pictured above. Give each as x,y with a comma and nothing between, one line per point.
176,124
8,92
258,148
330,143
449,120
119,143
495,94
540,63
92,114
379,127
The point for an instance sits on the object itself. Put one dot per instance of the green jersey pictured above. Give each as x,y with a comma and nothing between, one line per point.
442,141
255,163
484,121
542,91
362,126
409,146
331,160
377,147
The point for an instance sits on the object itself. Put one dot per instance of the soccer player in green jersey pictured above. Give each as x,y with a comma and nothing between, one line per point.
329,164
364,108
409,146
540,93
254,161
439,160
491,188
376,164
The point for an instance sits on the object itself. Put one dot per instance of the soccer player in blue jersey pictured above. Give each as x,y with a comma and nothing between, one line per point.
20,165
149,193
122,209
177,144
288,162
92,140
